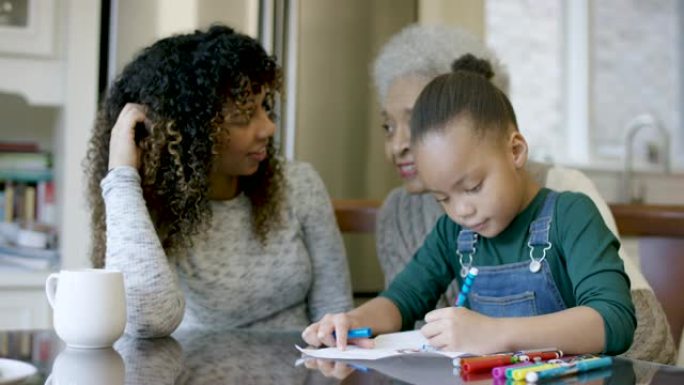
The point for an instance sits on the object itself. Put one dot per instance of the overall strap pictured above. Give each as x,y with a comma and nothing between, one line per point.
539,228
466,241
466,249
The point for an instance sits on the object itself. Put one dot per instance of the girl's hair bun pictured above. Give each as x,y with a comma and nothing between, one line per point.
471,63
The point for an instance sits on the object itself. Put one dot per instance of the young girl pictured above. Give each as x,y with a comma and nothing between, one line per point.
549,271
190,202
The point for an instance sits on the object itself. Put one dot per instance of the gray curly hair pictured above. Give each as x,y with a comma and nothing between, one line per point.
429,51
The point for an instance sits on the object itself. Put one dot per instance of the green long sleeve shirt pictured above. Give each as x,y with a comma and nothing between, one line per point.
584,262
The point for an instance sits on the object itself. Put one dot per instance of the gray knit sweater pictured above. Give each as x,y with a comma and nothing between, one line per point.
229,279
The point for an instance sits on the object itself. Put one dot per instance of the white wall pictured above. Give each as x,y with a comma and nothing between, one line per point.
140,23
467,14
81,46
338,120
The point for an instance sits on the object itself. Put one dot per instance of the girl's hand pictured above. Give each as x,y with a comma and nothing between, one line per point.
122,148
462,330
321,332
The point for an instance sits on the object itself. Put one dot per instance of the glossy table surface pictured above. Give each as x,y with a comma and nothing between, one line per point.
247,357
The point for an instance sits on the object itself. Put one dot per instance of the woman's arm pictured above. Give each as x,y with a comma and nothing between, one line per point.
331,288
154,301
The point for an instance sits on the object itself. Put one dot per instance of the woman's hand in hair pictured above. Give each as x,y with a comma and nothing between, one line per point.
123,150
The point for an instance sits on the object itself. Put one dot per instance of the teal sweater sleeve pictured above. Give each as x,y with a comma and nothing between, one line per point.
416,290
595,270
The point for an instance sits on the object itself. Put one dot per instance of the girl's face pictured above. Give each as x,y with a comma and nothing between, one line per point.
479,180
396,114
243,145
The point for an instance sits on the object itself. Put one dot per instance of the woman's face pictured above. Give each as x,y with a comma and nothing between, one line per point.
396,115
243,146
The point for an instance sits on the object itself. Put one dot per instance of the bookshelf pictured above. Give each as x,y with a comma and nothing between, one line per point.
55,97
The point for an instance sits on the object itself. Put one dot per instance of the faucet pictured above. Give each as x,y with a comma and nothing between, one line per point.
633,127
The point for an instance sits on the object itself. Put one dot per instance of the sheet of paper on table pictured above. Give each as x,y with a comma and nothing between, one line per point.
386,345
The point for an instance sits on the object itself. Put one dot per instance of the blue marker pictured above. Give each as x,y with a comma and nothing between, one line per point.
579,366
465,289
358,333
357,367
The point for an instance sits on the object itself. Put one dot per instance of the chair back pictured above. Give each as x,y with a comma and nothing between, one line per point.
660,230
356,215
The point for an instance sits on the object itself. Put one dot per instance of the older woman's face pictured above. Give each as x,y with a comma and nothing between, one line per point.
396,115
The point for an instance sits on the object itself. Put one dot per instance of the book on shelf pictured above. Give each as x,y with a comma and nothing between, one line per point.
14,261
27,257
46,204
26,176
27,233
28,202
25,161
16,146
3,203
29,252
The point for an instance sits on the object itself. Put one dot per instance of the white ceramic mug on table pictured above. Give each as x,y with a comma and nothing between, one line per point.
89,306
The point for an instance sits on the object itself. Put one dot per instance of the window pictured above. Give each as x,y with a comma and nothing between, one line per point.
581,70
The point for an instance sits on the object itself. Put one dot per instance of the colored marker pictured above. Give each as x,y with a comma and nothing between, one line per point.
509,371
541,355
579,366
521,374
465,289
499,372
358,333
357,367
487,362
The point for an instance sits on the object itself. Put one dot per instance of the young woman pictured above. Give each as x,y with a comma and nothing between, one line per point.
189,200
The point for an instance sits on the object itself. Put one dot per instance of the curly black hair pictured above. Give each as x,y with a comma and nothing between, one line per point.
188,83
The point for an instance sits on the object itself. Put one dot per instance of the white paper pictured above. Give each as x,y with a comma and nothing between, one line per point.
386,345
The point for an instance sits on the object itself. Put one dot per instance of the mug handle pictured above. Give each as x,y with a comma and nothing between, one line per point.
51,288
49,380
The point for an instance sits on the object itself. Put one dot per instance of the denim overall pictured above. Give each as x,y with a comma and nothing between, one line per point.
518,289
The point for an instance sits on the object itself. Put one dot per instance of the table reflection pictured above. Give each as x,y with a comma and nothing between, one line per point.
252,357
88,366
241,357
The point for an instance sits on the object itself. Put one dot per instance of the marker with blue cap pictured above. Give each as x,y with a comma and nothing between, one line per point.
579,366
465,289
358,333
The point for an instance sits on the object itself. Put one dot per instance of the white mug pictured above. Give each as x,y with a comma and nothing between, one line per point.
86,367
89,306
